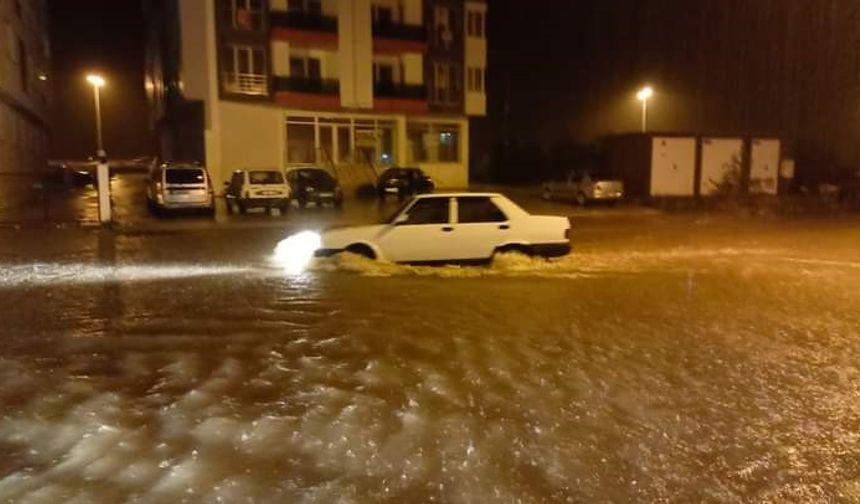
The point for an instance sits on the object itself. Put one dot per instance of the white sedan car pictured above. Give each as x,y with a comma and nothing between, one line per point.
455,227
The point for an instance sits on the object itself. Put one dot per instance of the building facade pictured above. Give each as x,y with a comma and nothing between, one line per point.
24,96
350,85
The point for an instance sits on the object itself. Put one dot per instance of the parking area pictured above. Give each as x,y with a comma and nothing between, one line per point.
79,206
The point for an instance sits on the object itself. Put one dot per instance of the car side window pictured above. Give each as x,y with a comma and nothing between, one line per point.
429,211
480,209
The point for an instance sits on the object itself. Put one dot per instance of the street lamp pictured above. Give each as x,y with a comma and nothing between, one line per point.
102,170
644,95
97,82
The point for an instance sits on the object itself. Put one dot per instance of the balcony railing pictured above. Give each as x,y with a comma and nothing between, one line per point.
397,90
399,31
307,85
304,21
247,84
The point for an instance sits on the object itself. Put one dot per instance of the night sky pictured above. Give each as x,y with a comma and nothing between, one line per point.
104,36
564,71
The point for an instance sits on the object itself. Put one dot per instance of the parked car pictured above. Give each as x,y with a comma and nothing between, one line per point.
312,184
583,187
72,173
454,227
177,186
264,188
403,182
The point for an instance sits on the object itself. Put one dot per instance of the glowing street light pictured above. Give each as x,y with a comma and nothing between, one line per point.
98,82
102,170
644,95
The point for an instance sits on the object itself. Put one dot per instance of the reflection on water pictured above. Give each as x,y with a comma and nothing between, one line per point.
682,375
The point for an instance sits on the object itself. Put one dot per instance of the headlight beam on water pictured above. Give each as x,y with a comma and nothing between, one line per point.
295,252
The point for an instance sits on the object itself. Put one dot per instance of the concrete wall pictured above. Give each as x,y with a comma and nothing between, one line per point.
355,54
673,166
475,57
719,157
252,136
413,68
764,165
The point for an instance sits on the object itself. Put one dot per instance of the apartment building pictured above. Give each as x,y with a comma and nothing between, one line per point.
24,95
350,85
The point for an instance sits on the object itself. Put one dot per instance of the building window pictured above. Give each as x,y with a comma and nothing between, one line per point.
304,67
475,24
301,146
447,83
244,14
475,80
22,64
244,69
382,14
444,26
433,143
305,6
383,73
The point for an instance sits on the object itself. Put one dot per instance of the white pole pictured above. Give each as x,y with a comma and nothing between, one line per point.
644,115
102,169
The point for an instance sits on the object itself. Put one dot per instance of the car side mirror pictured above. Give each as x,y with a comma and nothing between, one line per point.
401,219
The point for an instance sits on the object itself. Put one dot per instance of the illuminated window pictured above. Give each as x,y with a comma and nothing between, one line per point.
245,14
475,24
244,70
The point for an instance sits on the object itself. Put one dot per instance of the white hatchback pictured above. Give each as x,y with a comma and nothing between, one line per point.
454,227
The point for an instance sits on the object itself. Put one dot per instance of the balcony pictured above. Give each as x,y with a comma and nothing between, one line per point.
307,85
400,98
399,31
246,84
308,21
400,91
396,38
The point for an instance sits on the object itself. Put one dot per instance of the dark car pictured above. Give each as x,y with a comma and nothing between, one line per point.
316,185
403,182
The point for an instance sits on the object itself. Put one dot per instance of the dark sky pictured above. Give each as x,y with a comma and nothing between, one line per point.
104,36
562,70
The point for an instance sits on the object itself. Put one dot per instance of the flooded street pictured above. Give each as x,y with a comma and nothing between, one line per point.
669,358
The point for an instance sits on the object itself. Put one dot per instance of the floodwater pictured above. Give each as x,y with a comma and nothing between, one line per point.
674,360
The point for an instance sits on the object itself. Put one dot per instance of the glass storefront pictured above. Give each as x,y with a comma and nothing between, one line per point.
433,142
323,140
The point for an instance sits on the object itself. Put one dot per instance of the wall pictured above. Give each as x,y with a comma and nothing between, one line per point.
23,110
413,68
673,166
355,54
475,56
251,137
719,157
764,165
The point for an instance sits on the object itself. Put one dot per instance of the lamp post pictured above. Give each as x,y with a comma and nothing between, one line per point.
102,171
97,82
644,95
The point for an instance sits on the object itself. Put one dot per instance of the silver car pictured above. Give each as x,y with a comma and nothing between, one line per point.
583,187
180,187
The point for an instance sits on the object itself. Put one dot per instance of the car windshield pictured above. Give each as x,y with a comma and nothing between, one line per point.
392,216
316,176
265,177
184,176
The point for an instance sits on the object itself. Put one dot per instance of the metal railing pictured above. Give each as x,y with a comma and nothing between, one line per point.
247,84
304,21
307,85
400,31
399,90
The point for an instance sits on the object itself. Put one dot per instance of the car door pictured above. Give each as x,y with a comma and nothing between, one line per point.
481,226
424,233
